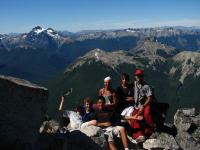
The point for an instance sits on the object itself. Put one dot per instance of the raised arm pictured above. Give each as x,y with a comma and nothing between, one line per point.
100,92
61,103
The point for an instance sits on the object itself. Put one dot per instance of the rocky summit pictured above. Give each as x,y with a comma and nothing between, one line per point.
183,134
23,106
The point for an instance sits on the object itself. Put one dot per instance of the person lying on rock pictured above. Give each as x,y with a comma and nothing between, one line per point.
76,117
109,94
104,118
144,126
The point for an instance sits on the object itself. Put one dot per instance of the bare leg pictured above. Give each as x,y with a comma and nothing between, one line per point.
112,146
92,122
124,137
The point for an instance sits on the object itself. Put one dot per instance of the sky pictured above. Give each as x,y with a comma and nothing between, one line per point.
75,15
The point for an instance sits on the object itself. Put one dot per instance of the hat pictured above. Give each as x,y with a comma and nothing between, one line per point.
107,79
139,72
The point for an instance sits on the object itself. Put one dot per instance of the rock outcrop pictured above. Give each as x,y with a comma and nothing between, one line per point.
162,141
88,138
187,123
22,108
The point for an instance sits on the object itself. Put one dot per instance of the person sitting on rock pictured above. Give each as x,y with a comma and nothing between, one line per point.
143,99
125,93
87,115
104,118
109,94
87,110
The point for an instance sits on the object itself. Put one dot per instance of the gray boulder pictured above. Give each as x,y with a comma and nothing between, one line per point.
51,126
189,111
22,107
196,119
96,134
186,141
161,141
188,125
196,134
182,121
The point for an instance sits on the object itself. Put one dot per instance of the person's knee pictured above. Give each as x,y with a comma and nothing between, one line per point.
112,145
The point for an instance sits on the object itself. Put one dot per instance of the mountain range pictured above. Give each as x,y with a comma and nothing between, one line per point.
61,59
41,53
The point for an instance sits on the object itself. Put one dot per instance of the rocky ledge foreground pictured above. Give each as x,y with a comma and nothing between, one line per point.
184,134
23,105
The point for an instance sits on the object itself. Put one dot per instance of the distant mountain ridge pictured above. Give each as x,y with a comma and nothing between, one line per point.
48,36
110,59
49,51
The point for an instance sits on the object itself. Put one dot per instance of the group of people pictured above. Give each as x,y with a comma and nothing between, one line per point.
126,110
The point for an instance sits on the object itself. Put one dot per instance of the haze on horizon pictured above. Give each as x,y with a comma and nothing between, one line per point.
75,15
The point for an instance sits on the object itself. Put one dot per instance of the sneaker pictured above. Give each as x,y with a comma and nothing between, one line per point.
131,139
140,139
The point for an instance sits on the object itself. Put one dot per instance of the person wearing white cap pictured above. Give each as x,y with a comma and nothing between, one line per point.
108,93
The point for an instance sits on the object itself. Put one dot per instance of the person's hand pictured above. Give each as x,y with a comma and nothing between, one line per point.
141,110
138,117
129,99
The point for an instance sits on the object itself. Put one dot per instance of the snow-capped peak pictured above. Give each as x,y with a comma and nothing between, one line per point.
38,29
130,30
50,32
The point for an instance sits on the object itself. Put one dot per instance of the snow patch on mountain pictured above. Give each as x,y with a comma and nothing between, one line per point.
130,30
52,33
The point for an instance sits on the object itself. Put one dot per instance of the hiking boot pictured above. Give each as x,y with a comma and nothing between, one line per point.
140,139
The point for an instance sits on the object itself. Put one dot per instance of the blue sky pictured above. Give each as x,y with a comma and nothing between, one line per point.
76,15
